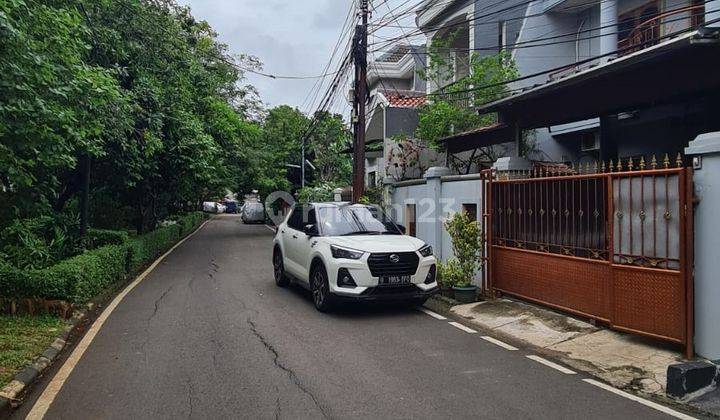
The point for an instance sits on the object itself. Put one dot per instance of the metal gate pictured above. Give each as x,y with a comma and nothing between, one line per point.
611,243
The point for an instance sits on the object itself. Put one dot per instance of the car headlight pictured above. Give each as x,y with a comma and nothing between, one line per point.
426,251
347,253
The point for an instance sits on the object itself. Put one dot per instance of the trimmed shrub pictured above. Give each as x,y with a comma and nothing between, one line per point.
148,247
86,275
76,279
101,237
82,277
190,221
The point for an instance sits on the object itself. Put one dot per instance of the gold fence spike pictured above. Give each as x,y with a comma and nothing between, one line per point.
602,167
642,163
611,165
619,165
653,162
595,167
630,164
666,161
679,160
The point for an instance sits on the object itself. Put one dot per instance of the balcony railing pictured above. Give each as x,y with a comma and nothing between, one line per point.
648,32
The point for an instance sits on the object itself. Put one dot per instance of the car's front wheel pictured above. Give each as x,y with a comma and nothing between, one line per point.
322,298
281,279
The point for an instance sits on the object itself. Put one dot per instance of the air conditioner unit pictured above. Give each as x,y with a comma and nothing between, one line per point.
589,142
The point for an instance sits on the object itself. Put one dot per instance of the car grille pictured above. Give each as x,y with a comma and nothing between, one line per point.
381,265
404,289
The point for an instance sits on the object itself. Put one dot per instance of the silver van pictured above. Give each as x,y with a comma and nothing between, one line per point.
253,212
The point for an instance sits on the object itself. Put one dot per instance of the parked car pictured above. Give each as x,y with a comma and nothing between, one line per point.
343,251
253,212
231,207
213,207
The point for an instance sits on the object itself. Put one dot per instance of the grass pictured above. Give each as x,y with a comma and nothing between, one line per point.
22,338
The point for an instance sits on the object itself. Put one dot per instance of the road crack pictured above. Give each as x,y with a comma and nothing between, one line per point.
158,300
291,374
190,391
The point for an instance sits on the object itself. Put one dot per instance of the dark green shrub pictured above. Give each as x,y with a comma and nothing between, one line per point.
147,247
77,279
82,277
190,222
96,238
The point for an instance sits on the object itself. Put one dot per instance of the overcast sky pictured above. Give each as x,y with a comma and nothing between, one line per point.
290,37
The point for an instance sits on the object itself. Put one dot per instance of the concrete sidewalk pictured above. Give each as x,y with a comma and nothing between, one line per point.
626,361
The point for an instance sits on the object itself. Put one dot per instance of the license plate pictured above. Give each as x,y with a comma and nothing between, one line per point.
392,280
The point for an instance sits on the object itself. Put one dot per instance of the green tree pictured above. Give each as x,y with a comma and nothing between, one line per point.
451,109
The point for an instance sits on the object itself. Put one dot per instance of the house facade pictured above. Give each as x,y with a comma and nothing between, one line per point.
396,92
550,40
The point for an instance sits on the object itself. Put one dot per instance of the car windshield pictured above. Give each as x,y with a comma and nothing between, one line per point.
356,220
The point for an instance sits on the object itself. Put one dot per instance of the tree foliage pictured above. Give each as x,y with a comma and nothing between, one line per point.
452,108
142,89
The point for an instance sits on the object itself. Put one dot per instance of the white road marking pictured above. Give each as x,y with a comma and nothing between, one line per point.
548,363
269,227
48,396
506,346
462,327
432,314
642,401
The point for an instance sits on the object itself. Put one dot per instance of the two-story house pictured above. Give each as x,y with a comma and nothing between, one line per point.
551,41
396,91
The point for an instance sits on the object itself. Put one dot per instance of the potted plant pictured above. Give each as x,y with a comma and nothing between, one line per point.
460,271
444,280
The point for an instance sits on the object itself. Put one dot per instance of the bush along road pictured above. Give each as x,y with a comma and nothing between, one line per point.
29,344
207,333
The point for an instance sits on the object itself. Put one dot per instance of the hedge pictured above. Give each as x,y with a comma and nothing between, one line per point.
100,237
82,277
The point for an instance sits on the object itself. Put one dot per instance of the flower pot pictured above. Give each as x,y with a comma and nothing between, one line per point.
465,294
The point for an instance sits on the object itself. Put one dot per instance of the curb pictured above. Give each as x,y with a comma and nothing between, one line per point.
28,375
689,380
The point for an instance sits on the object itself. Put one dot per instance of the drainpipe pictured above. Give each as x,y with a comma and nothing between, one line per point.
577,41
712,12
608,29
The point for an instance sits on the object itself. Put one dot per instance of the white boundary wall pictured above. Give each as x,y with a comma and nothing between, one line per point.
436,197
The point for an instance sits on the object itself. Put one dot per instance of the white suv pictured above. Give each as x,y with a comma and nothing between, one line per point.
351,251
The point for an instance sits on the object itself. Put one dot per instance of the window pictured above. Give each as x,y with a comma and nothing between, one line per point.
410,219
372,179
471,210
356,220
639,27
295,219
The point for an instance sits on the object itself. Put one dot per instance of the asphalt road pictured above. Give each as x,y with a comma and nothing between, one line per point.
209,335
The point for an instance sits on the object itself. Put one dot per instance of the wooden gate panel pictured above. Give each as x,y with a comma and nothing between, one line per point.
607,243
649,301
572,284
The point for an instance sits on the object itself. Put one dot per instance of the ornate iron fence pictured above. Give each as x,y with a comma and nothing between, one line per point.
609,241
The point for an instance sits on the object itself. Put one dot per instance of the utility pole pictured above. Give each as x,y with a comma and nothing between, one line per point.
302,163
360,100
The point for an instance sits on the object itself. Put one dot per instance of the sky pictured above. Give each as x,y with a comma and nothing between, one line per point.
290,37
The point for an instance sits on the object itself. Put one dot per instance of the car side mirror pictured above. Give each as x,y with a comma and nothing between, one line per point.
311,230
402,229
